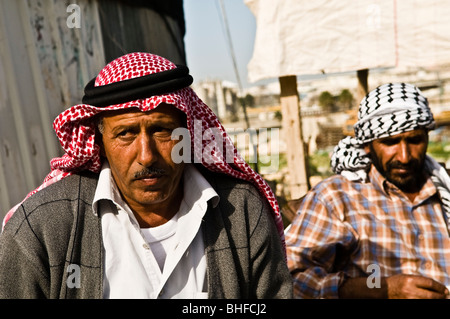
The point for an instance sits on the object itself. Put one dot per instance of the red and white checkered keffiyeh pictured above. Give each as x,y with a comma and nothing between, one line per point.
76,129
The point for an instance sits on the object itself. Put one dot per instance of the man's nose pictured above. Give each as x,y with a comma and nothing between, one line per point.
404,153
147,153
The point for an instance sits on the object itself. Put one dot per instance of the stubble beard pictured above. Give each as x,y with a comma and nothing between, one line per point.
409,182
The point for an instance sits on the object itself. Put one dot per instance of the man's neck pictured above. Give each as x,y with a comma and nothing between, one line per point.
414,189
411,196
156,215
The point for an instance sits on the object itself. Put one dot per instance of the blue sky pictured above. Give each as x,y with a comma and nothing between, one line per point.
207,50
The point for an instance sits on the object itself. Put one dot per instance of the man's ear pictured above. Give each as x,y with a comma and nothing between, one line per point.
102,150
367,148
99,130
99,142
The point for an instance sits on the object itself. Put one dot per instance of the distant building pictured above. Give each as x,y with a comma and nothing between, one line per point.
221,97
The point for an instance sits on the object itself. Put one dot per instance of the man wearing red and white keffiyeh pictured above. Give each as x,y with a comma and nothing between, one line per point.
120,215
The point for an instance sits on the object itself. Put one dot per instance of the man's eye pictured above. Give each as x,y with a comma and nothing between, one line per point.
124,133
416,140
162,131
389,142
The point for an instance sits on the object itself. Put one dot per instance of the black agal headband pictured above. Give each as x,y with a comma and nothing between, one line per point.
137,88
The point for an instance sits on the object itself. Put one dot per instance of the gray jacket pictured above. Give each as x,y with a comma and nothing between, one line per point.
56,228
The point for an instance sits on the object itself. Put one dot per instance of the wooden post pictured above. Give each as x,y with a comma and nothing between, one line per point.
363,87
292,126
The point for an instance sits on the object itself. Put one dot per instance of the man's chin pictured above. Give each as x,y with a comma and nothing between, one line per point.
405,182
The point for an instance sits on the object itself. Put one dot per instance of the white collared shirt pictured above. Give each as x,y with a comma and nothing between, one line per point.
134,257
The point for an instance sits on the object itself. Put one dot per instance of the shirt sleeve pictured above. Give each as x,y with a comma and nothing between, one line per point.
319,243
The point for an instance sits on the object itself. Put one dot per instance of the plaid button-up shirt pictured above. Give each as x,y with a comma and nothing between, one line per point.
343,227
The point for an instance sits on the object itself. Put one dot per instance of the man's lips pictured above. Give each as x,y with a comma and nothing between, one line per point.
402,171
150,176
149,180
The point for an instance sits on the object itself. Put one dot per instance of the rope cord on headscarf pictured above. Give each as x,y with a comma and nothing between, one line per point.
137,88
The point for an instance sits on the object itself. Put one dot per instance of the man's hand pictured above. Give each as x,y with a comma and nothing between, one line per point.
395,287
414,287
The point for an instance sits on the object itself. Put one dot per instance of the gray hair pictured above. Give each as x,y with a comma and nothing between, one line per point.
100,125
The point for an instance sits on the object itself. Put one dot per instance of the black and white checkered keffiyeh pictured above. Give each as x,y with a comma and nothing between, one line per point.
388,110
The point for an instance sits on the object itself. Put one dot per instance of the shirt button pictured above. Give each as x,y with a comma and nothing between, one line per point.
146,246
421,237
428,265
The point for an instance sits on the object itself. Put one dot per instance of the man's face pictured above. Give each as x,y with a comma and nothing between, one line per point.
400,158
138,147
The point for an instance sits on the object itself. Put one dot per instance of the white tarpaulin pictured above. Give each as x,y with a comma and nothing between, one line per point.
299,37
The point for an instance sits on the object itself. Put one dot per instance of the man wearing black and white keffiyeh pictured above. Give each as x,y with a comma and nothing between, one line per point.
388,110
383,220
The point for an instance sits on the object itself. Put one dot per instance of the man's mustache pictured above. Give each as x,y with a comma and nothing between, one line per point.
149,171
413,164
